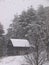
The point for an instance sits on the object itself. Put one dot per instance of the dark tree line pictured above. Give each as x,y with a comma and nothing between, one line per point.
1,39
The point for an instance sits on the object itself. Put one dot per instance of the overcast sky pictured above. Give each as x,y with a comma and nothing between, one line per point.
8,8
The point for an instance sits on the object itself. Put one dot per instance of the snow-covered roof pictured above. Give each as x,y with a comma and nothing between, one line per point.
20,42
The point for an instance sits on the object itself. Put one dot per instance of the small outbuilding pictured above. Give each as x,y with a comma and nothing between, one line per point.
18,47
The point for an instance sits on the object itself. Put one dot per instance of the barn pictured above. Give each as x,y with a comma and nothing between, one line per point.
18,47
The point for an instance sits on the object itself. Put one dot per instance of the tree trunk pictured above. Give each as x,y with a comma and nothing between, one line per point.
48,51
37,55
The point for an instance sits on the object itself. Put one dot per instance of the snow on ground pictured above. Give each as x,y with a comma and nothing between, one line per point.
12,60
47,63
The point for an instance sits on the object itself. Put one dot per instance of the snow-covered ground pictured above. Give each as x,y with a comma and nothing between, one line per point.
47,63
14,60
